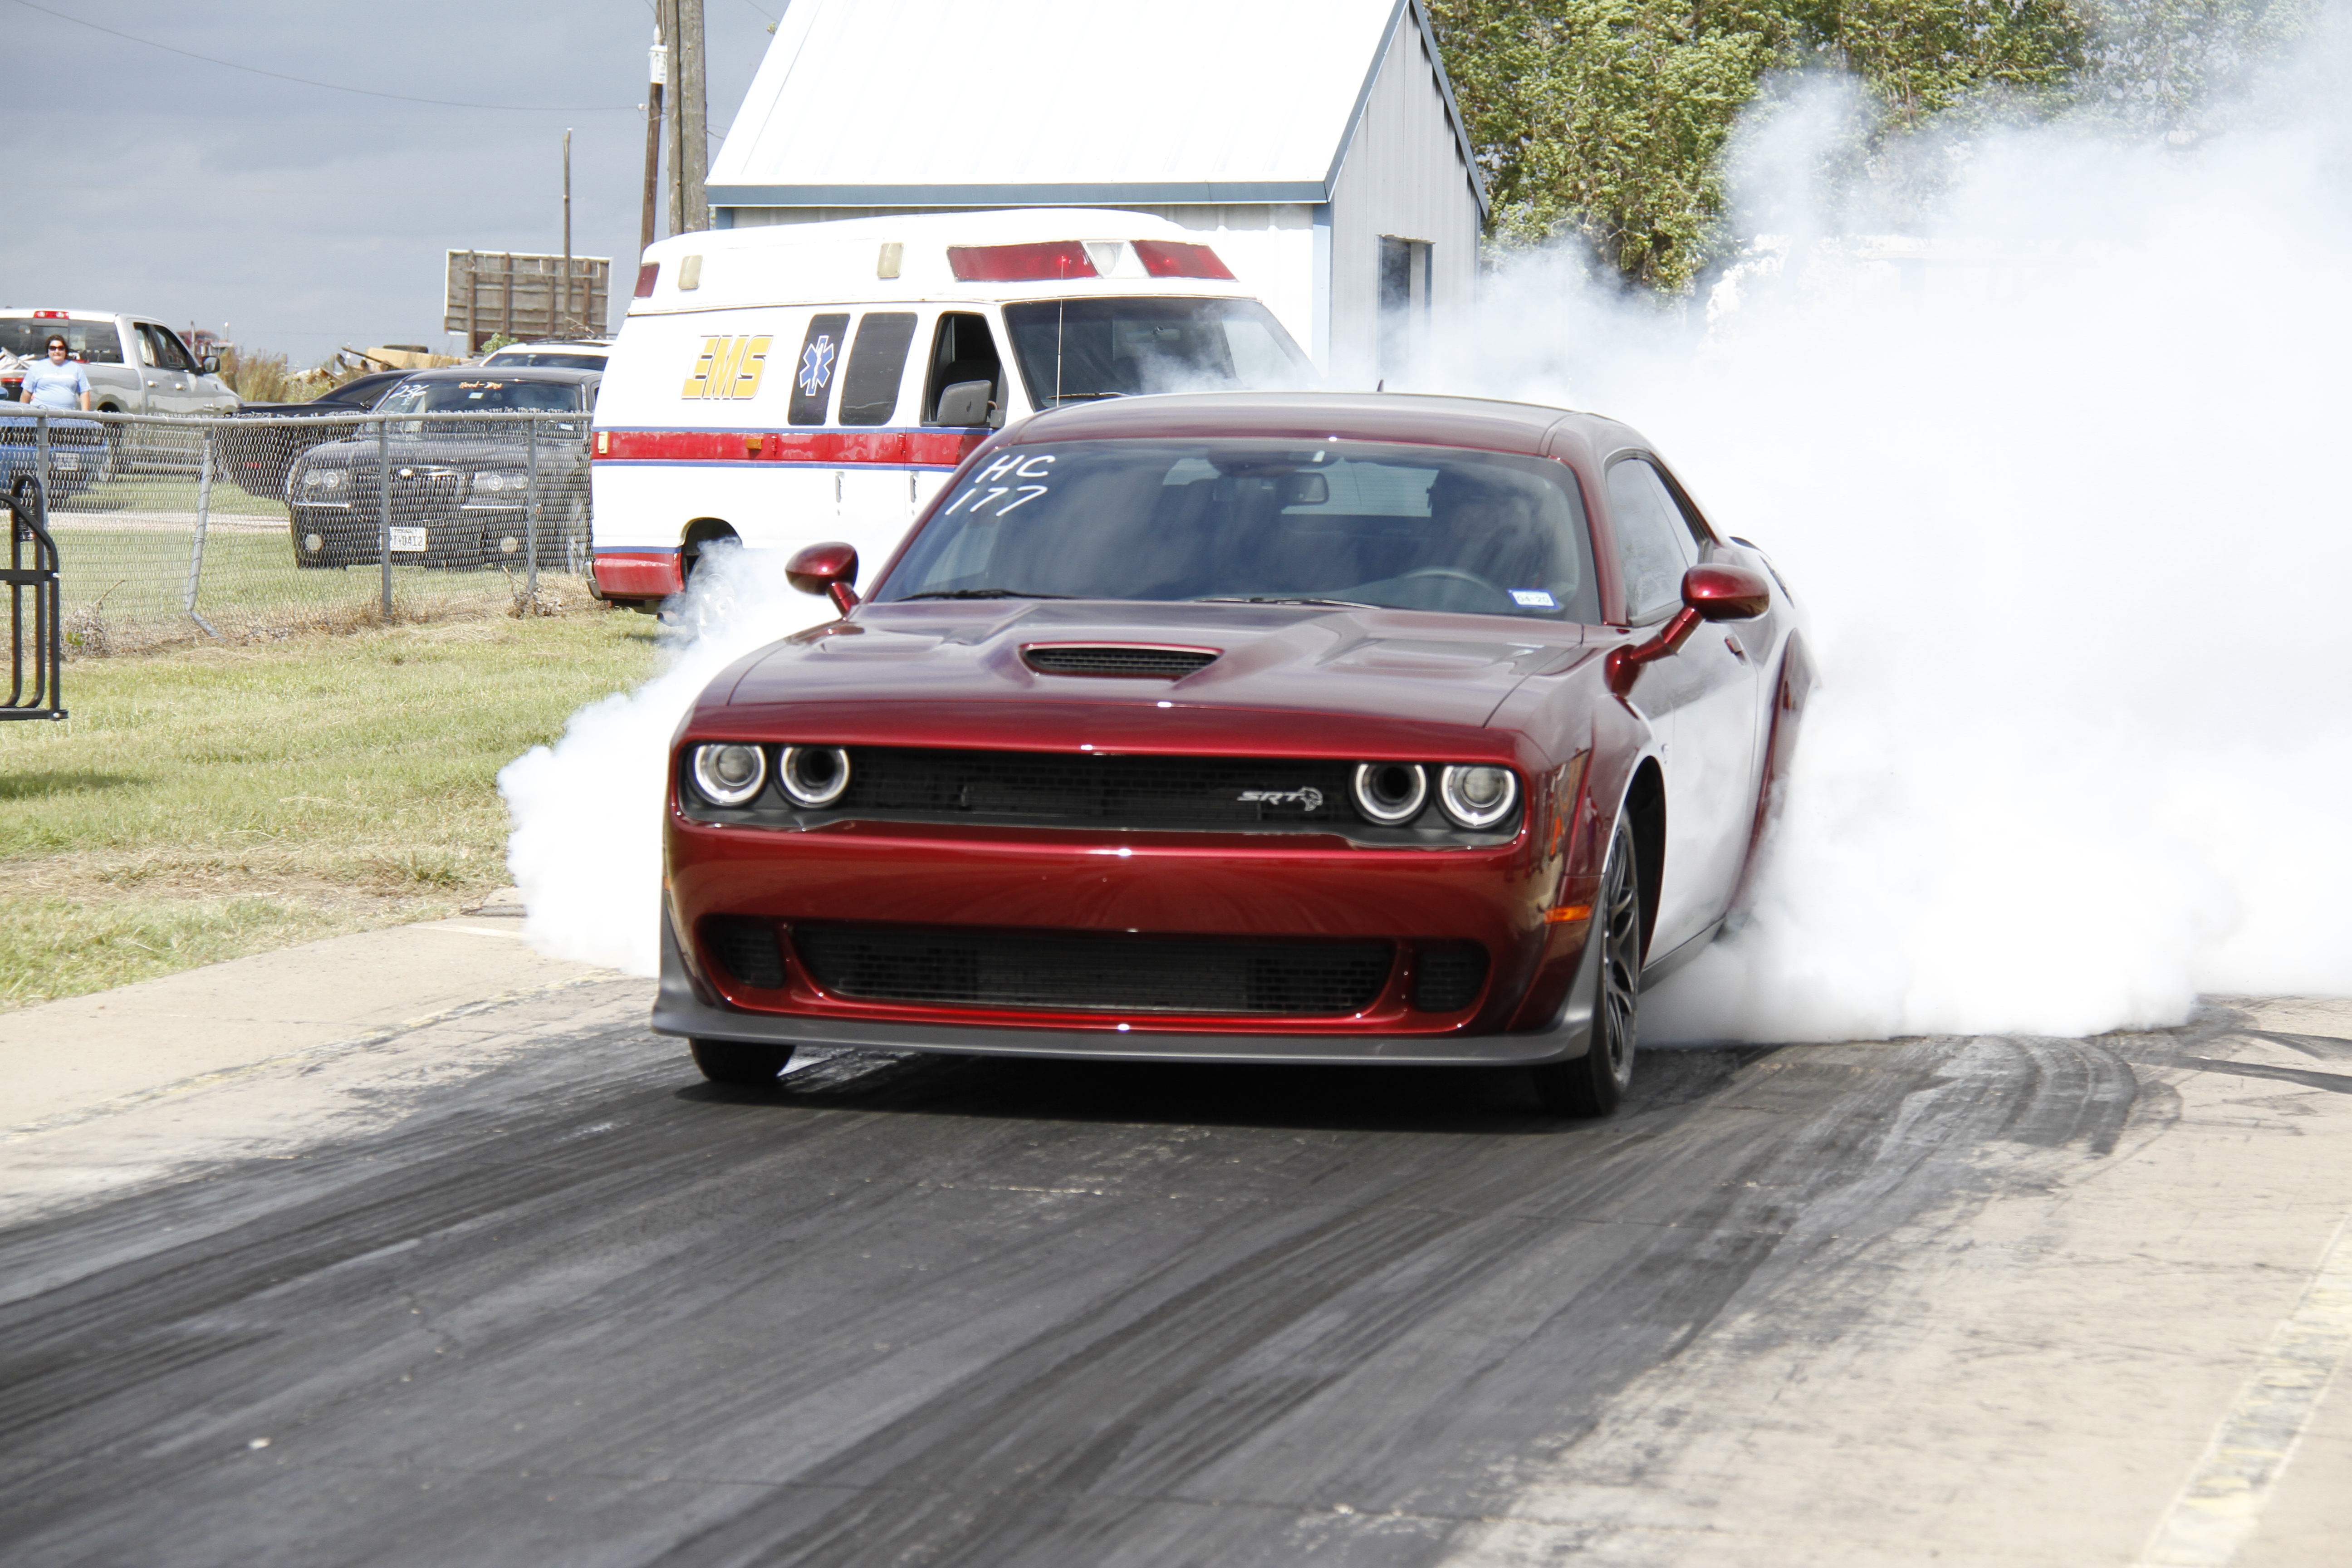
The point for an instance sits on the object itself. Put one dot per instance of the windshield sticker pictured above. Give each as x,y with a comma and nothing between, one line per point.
728,367
1534,599
1001,479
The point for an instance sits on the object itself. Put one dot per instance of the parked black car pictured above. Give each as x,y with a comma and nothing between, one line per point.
259,459
460,488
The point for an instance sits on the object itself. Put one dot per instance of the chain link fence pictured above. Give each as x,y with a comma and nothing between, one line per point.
253,527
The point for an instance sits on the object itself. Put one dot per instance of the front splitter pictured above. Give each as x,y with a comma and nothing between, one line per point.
678,1010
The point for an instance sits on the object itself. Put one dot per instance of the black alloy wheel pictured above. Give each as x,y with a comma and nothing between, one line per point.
742,1064
1595,1083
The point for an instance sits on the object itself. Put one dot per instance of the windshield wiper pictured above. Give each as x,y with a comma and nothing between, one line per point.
984,594
1282,599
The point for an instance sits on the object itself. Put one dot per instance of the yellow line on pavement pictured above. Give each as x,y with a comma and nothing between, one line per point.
2220,1507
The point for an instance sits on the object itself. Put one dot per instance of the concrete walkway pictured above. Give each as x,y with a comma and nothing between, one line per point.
119,1086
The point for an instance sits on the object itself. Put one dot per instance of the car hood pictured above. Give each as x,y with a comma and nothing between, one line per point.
1398,665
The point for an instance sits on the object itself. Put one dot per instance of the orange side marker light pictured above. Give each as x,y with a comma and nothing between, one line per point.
1567,914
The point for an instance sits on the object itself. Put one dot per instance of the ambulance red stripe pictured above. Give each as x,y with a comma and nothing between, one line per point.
908,449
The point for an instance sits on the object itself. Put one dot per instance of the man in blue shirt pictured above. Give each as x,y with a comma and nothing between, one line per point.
52,385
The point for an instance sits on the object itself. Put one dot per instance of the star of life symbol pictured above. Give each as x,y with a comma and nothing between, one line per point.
1311,799
816,366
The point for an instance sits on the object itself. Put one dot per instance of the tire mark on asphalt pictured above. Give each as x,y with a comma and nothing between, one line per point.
956,1311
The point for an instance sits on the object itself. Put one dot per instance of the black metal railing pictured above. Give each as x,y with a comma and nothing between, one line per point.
36,633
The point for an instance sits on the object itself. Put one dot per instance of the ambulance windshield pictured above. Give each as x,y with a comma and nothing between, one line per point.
1073,351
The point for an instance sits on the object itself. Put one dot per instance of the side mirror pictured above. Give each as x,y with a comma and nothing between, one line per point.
829,569
209,365
965,402
1716,592
1726,592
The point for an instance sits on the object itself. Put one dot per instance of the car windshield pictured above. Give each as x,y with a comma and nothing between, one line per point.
485,395
1415,527
547,360
1079,350
480,396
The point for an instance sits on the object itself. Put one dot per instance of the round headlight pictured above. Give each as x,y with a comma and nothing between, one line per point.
492,482
813,775
323,479
1389,793
1477,796
730,774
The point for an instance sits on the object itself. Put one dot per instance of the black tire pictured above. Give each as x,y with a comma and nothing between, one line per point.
740,1063
1594,1084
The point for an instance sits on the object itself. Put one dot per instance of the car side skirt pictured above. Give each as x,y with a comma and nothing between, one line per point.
679,1009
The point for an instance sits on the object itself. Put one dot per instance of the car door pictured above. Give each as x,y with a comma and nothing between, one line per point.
1702,701
166,369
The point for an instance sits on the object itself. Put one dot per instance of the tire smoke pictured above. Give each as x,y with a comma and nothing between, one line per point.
2056,480
586,848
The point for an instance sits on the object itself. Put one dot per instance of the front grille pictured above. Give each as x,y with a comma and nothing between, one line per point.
1166,663
1094,973
1122,791
746,949
1448,976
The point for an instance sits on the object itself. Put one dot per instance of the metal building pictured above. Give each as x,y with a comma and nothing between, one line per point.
1315,143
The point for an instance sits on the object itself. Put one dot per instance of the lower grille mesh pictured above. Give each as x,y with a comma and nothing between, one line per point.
746,949
1086,973
1448,976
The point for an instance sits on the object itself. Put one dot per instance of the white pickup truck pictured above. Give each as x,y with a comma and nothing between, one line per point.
135,365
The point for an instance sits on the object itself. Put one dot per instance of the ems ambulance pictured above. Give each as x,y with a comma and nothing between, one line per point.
779,387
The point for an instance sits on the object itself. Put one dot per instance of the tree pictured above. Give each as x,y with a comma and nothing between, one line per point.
1607,119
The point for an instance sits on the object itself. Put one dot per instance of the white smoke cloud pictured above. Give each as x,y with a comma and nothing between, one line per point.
2064,506
586,848
2065,511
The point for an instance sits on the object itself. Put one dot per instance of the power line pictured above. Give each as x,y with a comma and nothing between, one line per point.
338,87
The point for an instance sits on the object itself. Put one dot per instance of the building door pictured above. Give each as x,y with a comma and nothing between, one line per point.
1404,303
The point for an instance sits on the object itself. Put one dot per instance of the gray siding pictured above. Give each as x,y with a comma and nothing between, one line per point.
1403,176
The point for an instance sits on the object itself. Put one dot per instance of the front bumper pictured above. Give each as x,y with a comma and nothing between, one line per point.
684,1007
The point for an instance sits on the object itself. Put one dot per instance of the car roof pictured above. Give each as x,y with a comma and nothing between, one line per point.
1478,423
504,372
556,345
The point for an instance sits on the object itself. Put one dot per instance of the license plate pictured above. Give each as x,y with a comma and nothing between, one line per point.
66,460
408,541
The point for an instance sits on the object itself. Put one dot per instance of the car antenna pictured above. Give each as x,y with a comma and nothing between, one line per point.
1381,384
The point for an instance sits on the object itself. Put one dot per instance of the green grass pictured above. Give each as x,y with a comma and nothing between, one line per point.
209,802
127,588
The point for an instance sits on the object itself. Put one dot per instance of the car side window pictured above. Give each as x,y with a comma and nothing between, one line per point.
869,387
1655,545
964,350
161,348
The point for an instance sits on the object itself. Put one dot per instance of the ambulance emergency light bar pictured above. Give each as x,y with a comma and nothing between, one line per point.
1056,259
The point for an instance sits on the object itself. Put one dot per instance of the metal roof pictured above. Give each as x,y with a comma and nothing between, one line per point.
950,103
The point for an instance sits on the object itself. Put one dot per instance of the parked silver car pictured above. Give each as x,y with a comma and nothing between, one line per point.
136,364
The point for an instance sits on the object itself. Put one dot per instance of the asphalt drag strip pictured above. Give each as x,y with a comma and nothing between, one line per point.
1967,1301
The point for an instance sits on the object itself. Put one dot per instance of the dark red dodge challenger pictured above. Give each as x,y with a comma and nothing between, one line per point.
1247,727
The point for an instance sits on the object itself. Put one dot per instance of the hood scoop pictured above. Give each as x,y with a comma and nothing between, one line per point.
1151,661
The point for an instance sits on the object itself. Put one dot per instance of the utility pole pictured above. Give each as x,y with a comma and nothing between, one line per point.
567,232
666,11
694,118
690,146
658,62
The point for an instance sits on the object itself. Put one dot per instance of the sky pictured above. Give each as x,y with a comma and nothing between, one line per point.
307,218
